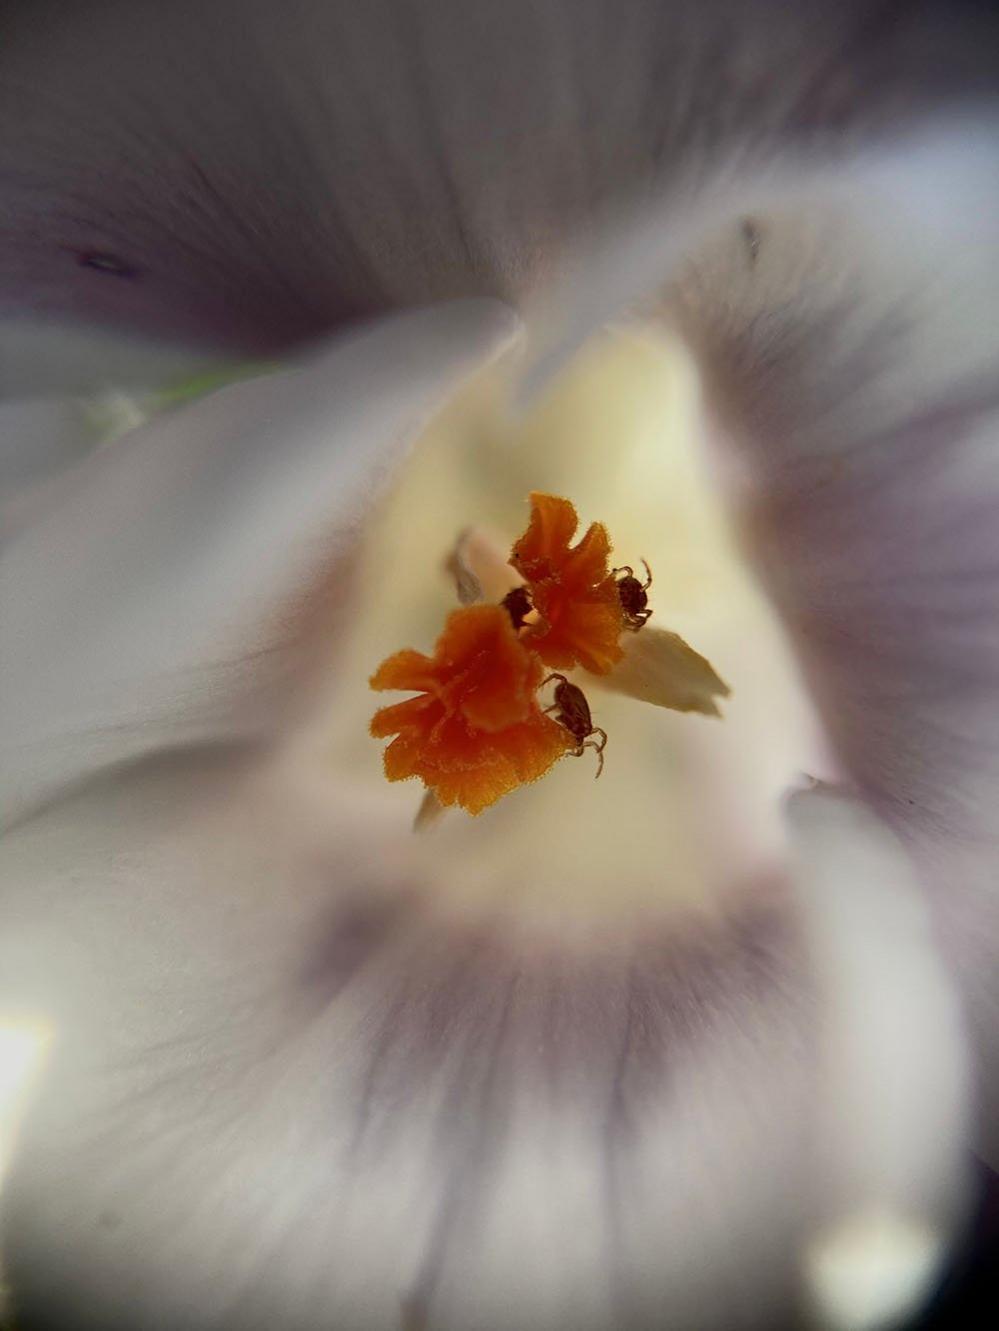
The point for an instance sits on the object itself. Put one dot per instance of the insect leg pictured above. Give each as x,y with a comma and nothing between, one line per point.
591,744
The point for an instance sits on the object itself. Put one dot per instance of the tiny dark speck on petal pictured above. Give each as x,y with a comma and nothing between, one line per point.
751,238
104,262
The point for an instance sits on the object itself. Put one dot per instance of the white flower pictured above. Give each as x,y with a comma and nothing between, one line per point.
293,1080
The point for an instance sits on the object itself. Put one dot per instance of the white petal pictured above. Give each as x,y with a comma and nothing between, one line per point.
64,389
893,1091
38,438
282,1068
187,582
41,358
851,361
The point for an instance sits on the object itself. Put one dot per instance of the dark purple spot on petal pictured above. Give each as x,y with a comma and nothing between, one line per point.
751,238
103,262
360,929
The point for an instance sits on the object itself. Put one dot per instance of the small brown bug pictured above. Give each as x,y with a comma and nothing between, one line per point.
634,597
573,712
517,604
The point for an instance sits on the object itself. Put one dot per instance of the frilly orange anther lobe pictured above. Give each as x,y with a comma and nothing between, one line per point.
475,730
572,588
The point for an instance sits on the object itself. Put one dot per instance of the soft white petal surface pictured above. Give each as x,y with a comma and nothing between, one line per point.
39,437
186,580
892,1128
287,1086
851,354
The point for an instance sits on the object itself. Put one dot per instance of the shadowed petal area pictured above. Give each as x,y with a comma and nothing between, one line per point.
252,174
188,583
283,1069
42,358
851,370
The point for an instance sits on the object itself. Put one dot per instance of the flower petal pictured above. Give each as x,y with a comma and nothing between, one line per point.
660,668
852,362
220,171
893,1123
43,358
327,1098
39,438
131,619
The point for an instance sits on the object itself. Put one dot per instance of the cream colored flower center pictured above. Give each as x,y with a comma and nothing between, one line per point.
687,811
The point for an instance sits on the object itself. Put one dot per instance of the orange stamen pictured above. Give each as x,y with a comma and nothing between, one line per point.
475,731
571,587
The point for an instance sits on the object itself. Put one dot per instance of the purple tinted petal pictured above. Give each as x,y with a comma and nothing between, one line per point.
292,1077
251,173
851,356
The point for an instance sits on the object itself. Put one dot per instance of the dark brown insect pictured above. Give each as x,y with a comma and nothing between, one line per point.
517,604
573,712
634,596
